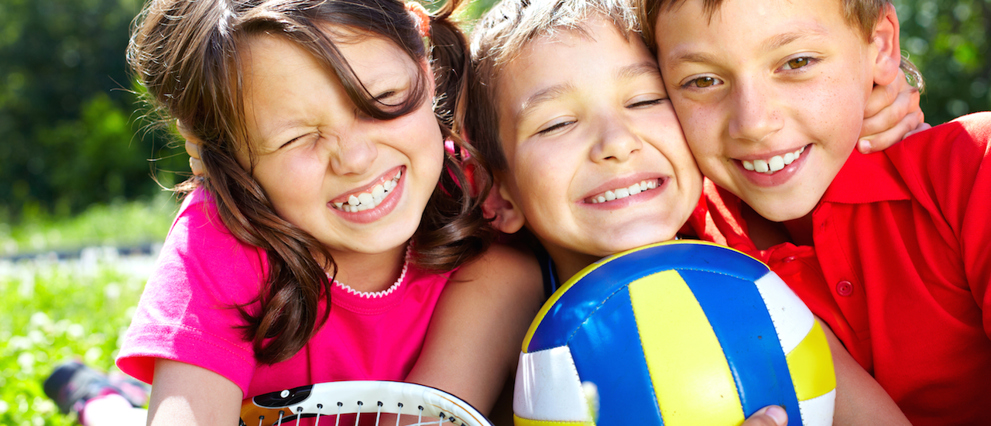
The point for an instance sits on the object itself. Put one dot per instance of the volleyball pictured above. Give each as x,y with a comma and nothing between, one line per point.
676,333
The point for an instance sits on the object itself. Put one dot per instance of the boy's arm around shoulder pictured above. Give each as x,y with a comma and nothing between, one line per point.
477,329
949,168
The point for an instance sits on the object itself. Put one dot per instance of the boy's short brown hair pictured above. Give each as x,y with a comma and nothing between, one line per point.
502,33
862,15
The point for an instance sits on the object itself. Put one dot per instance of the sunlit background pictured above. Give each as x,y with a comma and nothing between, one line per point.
81,216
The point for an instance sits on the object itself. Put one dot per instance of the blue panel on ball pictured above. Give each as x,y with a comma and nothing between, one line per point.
578,301
740,320
607,352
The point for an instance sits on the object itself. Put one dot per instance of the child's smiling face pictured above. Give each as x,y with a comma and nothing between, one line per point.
771,94
356,184
597,162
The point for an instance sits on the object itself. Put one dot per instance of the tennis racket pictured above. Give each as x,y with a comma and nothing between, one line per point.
360,403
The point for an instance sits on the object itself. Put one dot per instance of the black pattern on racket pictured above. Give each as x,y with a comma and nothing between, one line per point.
360,403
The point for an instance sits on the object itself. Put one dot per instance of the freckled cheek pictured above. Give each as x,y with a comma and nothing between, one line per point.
702,132
830,111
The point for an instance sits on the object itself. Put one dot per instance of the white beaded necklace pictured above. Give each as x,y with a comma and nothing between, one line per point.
383,293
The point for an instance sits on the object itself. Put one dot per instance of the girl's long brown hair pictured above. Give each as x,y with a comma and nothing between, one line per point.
186,54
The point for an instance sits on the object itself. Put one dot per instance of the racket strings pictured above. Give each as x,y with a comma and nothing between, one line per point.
380,407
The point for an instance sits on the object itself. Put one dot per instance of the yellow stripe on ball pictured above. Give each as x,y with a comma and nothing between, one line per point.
519,421
811,365
692,380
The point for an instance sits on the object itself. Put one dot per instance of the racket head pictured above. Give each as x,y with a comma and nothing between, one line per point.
367,397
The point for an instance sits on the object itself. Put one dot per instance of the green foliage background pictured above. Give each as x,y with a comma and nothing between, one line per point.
948,40
69,136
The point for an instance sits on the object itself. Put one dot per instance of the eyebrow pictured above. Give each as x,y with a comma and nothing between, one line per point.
789,37
639,69
553,92
541,97
767,45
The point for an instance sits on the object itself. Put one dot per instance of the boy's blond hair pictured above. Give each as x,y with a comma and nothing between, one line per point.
862,15
502,33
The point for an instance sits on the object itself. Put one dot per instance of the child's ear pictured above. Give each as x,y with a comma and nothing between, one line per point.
885,40
506,216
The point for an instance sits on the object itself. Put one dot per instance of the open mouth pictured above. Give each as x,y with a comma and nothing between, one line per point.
773,164
620,193
370,198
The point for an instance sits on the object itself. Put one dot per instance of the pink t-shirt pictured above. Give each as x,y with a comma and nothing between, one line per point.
186,314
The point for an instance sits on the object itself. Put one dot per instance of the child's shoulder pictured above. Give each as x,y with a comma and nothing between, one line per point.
198,215
949,153
198,232
200,251
976,125
945,166
965,137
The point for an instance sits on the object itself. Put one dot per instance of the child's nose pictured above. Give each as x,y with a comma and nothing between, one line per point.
753,115
352,154
617,142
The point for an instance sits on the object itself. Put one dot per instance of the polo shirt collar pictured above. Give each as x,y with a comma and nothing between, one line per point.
866,179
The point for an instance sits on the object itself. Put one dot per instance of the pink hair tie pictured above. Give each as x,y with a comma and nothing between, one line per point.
420,16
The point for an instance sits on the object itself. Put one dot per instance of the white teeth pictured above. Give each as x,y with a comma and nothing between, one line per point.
368,200
620,193
774,163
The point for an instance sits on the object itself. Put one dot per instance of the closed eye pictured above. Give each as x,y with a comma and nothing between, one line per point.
647,103
384,96
290,142
556,126
295,140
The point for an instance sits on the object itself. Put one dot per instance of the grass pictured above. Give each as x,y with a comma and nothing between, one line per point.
118,224
55,311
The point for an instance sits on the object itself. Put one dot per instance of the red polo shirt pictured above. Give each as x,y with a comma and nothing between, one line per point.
901,267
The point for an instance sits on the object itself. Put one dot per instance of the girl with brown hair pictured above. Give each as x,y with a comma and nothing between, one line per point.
332,217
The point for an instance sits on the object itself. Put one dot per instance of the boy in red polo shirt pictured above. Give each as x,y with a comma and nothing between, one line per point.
893,248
